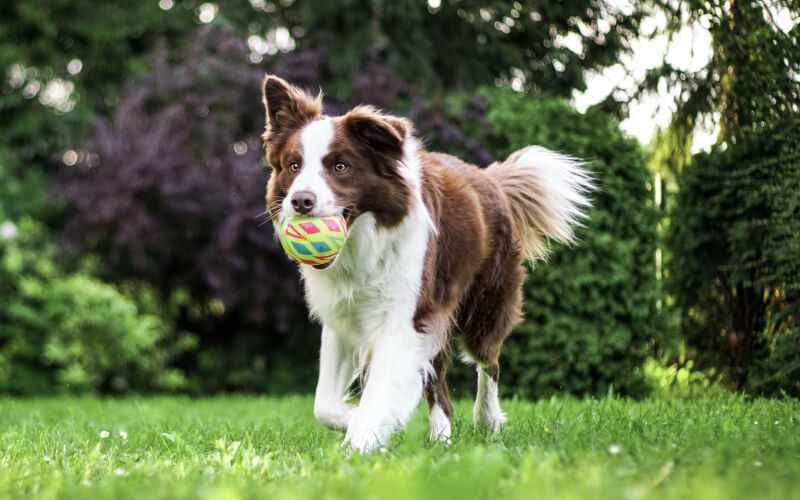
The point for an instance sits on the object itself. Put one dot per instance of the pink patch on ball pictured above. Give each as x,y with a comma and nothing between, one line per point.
309,228
332,225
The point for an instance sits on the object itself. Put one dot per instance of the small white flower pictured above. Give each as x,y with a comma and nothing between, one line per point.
119,472
104,434
758,463
47,459
8,230
123,435
614,449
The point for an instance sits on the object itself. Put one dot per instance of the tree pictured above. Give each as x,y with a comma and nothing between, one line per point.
736,210
64,60
751,79
447,45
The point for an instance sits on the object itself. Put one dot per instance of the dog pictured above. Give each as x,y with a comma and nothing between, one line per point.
435,251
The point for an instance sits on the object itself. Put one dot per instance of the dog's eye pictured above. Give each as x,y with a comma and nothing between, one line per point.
294,166
340,167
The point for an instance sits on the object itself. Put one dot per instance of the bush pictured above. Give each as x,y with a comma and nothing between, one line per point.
591,311
735,271
72,332
169,191
23,192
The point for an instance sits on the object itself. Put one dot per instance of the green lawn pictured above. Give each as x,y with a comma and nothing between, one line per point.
238,447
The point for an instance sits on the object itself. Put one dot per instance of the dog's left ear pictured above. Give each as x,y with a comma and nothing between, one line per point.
288,108
383,134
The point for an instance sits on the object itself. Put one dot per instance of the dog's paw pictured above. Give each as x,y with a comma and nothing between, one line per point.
337,417
441,429
363,435
490,420
362,442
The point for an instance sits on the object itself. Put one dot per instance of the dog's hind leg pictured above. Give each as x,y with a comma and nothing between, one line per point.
440,410
487,411
490,311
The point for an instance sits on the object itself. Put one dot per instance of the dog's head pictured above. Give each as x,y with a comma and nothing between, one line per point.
347,165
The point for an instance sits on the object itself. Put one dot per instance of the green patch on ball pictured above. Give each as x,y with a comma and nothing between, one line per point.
315,241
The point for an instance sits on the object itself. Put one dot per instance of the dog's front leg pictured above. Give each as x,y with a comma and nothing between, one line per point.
336,373
393,388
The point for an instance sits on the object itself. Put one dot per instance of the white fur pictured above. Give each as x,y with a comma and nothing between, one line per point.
439,425
412,173
487,411
366,300
336,373
315,141
548,193
565,183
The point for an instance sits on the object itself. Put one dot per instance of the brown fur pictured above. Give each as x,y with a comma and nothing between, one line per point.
436,391
473,271
288,109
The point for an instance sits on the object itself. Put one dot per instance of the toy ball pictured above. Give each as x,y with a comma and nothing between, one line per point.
315,241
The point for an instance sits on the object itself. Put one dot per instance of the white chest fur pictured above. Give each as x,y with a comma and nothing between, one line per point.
375,282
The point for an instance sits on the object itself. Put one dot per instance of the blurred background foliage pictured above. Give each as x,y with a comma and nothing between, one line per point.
133,257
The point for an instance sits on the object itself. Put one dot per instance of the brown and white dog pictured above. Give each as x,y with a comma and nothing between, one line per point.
435,251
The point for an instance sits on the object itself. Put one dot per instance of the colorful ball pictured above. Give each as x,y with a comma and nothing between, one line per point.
315,241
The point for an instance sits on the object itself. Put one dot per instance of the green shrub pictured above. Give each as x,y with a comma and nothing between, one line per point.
22,191
72,332
674,381
735,272
591,310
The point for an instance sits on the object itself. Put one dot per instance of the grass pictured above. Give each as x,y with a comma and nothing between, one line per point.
238,447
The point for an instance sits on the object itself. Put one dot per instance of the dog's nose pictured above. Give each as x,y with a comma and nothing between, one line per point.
303,201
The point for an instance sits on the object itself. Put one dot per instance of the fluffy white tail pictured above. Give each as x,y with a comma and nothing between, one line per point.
548,193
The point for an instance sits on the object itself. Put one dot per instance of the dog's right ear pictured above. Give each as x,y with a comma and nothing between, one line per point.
288,108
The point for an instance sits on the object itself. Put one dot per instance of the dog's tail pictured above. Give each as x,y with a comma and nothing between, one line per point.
548,193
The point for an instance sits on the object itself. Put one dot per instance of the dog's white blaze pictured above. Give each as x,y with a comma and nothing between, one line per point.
439,425
367,300
487,411
315,142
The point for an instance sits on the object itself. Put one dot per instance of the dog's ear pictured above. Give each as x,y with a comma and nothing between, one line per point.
383,134
288,108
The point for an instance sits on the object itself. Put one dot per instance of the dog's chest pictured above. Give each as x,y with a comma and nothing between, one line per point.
348,306
376,278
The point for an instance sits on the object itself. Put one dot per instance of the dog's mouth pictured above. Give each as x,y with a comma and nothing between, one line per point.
349,216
